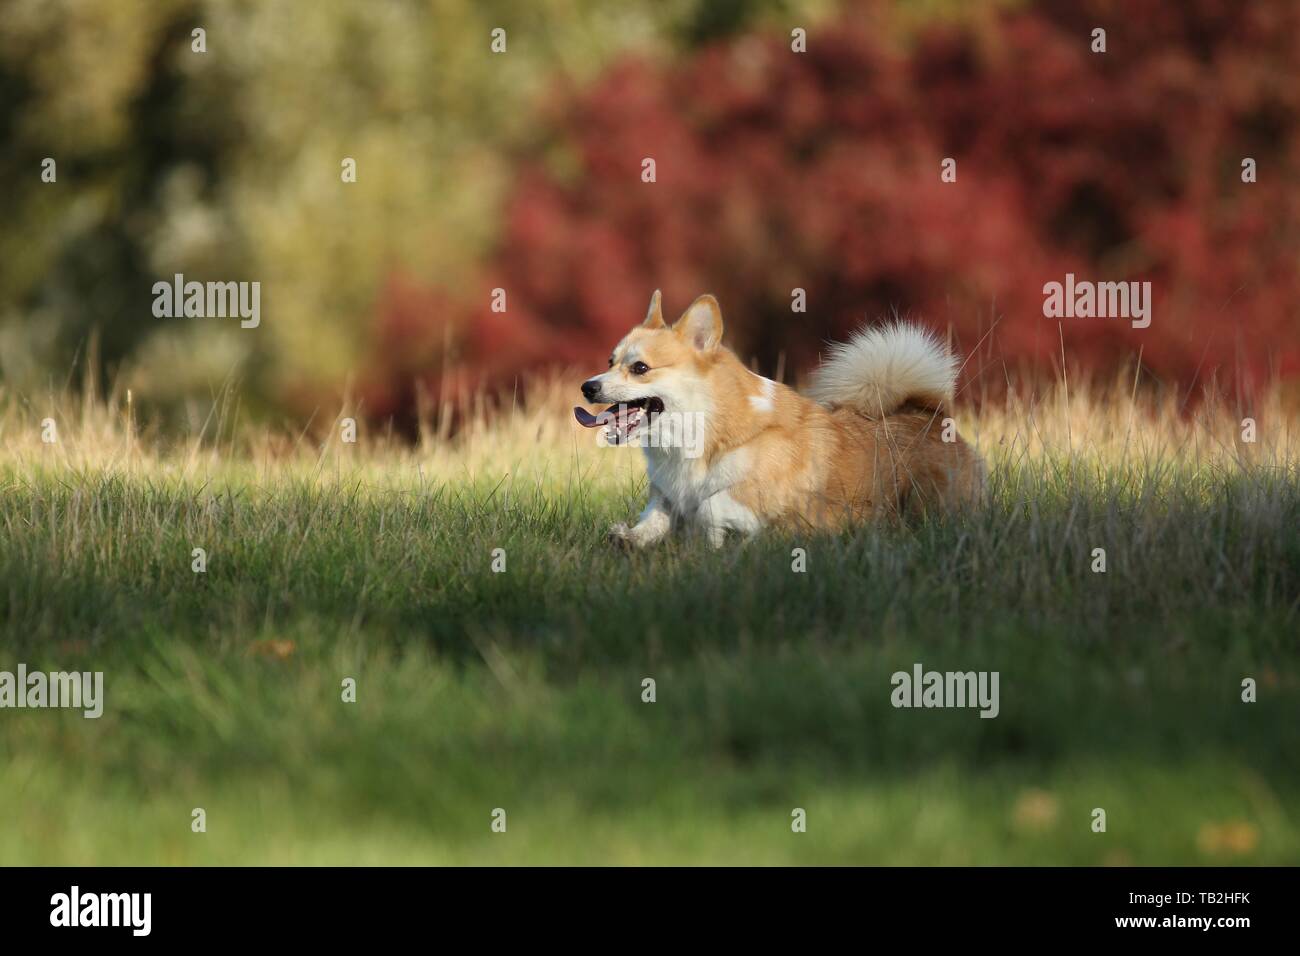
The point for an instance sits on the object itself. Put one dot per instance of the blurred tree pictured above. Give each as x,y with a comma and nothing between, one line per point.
477,170
225,165
102,102
778,171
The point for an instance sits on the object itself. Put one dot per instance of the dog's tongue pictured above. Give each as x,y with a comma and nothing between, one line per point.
588,420
620,418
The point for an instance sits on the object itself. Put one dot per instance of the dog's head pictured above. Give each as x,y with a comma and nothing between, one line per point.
656,368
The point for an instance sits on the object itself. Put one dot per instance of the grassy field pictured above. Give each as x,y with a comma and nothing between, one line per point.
522,690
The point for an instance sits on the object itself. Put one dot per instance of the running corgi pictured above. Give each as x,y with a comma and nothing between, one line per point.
729,450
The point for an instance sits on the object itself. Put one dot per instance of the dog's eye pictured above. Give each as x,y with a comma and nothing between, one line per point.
611,361
640,368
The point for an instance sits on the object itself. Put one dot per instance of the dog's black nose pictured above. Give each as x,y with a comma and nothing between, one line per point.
590,389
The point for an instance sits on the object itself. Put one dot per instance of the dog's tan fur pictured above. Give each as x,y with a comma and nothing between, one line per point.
774,457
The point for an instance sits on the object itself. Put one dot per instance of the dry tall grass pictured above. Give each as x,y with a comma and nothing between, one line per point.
1116,431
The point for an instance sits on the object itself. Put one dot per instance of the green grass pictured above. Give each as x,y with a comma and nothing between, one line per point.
522,690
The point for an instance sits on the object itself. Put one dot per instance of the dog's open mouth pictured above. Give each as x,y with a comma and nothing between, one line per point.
622,419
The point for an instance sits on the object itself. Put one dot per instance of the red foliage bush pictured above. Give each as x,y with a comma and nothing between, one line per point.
821,171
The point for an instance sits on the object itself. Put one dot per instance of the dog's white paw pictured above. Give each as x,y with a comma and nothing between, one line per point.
621,535
638,536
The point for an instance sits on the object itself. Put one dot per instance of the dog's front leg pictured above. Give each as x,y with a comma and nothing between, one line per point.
654,523
722,513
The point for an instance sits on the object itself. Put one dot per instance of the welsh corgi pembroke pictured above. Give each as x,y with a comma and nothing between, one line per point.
728,450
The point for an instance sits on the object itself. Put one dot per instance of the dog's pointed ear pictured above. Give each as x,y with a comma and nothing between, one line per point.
701,324
654,316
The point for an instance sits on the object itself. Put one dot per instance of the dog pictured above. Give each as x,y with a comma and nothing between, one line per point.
870,438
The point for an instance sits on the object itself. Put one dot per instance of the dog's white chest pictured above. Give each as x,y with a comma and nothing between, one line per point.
688,484
682,481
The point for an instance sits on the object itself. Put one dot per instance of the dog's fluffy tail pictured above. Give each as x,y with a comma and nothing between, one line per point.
878,371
